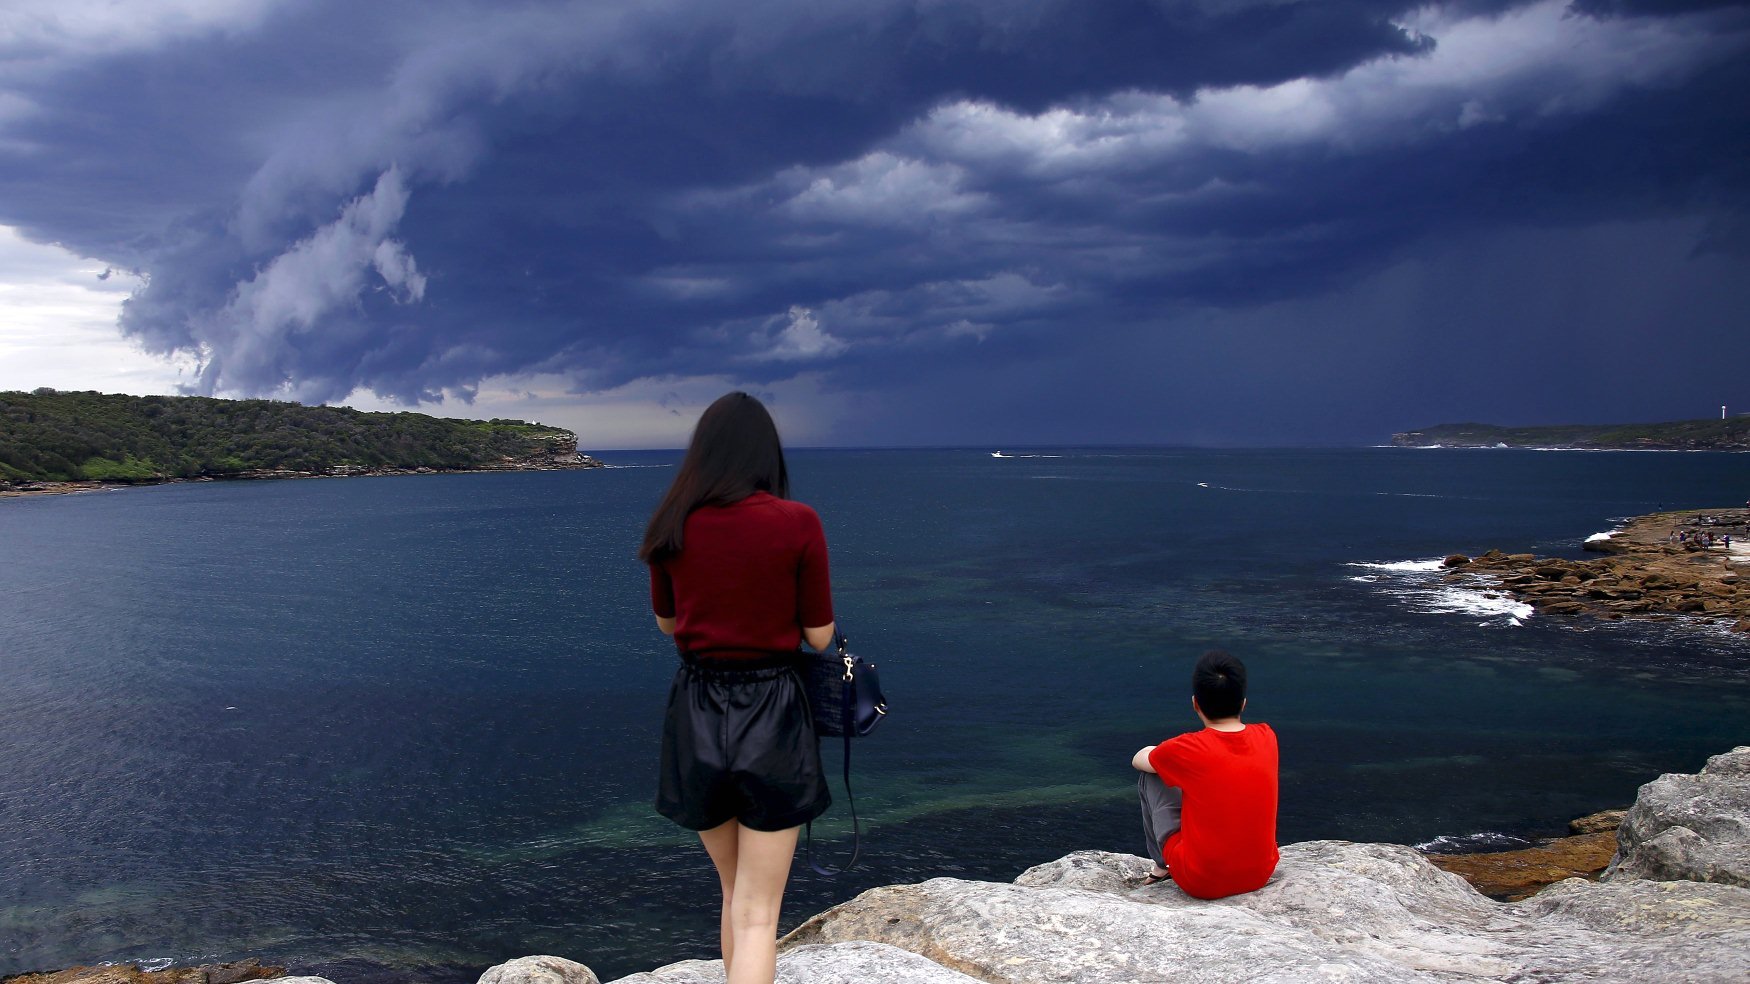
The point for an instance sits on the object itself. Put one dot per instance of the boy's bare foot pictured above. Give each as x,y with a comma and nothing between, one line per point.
1159,874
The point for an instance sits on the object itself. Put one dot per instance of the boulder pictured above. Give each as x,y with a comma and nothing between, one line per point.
1455,560
1334,911
1692,827
841,963
1596,823
539,970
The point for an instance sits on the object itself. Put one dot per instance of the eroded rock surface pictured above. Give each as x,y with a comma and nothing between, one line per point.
1691,827
1334,911
858,962
218,973
1514,875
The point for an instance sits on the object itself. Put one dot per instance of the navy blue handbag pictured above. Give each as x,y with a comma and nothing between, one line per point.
844,696
844,693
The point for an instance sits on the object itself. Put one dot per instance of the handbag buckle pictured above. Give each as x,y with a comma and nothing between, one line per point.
848,677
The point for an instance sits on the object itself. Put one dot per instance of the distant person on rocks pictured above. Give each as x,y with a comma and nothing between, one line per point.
738,576
1209,796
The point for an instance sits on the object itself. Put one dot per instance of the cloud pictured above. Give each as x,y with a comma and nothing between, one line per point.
272,319
57,325
799,339
32,31
328,200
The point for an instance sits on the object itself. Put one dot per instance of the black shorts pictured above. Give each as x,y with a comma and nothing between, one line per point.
738,743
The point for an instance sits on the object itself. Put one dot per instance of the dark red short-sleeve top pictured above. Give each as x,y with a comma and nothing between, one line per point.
749,577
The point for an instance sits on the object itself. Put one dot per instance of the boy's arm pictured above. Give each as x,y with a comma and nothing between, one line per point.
1139,761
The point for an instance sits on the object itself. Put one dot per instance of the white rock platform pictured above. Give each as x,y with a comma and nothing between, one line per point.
1673,909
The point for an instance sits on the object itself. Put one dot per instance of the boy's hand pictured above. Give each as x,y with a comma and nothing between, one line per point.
1139,761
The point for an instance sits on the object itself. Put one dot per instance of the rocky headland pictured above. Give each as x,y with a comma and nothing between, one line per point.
1725,434
1673,904
55,442
556,453
1660,566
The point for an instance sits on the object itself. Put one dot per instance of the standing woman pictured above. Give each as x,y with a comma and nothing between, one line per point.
738,576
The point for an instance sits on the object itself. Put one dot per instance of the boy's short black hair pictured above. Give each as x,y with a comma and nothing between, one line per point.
1219,684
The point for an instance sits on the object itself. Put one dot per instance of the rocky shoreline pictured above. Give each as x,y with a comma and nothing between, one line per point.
1508,876
220,973
560,457
1660,566
1672,904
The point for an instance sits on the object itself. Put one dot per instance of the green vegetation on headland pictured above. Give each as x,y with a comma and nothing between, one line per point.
1731,434
49,436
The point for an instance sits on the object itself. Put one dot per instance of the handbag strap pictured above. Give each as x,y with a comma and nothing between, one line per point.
840,645
856,830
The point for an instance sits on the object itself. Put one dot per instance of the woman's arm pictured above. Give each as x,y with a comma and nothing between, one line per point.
819,637
666,625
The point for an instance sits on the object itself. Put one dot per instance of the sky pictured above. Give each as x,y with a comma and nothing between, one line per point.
929,222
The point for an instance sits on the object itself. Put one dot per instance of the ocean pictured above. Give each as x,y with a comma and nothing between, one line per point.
399,729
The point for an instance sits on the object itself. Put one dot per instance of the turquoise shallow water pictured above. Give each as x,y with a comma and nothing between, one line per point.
403,728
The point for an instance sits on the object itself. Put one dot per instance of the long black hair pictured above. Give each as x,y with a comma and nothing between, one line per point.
734,453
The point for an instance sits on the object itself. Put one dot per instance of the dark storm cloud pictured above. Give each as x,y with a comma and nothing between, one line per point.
411,197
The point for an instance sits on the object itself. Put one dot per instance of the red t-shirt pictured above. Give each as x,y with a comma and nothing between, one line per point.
749,577
1226,842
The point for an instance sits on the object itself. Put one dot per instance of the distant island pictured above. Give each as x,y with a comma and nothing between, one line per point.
59,441
1730,434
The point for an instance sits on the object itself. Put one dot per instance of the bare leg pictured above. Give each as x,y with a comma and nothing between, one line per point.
762,869
721,843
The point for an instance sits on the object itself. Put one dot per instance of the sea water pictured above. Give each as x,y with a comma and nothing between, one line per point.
402,728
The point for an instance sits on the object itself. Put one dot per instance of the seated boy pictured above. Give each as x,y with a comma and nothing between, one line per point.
1209,796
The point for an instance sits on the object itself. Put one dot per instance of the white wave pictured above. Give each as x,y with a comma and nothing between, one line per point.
1231,488
1487,840
1416,583
1459,600
1404,566
1594,538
